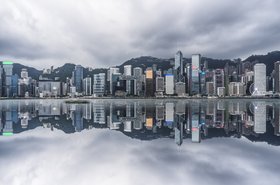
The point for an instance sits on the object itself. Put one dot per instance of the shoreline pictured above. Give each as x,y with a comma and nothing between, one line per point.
146,98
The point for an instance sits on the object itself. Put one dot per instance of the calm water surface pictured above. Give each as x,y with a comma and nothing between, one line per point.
137,142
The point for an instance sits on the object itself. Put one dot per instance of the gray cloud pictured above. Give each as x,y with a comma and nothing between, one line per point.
101,156
103,33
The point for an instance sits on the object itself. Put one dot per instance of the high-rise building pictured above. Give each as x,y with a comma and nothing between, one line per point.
137,72
99,84
195,74
1,81
127,70
277,77
179,67
111,71
236,89
259,79
24,73
14,87
87,86
180,89
78,76
169,84
221,91
219,79
47,88
249,77
138,81
210,88
159,84
188,75
129,80
24,84
8,72
149,84
203,82
117,85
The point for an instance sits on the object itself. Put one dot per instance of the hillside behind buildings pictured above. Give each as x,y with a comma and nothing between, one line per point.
147,61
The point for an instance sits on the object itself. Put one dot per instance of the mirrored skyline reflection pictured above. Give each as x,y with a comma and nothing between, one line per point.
120,142
195,120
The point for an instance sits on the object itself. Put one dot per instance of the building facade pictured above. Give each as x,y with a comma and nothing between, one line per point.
99,84
195,74
259,79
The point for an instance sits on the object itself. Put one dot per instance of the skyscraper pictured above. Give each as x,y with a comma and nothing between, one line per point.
1,81
128,74
24,73
99,84
169,84
116,84
138,81
8,72
180,89
195,74
179,67
127,70
78,76
149,82
87,87
137,71
259,79
111,71
160,84
219,79
277,77
14,87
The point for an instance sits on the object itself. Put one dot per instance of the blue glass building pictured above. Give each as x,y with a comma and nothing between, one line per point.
195,74
78,75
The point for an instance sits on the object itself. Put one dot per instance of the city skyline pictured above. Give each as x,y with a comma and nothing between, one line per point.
103,34
176,79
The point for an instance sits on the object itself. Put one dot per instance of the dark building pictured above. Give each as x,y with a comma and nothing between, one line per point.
149,85
7,83
78,76
276,77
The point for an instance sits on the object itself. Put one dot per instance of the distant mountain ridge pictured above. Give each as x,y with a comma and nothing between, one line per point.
147,61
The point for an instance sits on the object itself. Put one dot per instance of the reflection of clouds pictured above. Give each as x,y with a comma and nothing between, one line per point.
41,157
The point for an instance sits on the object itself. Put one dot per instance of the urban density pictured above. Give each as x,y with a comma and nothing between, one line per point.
193,119
183,79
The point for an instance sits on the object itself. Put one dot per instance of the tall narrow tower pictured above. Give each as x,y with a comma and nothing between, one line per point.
195,74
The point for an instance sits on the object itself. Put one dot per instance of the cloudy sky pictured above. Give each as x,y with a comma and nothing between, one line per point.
99,33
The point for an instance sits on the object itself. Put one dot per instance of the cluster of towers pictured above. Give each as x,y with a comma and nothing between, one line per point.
194,77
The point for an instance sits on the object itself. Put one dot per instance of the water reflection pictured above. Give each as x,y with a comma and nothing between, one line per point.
147,120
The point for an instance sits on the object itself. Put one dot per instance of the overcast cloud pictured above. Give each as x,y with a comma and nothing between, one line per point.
98,33
102,156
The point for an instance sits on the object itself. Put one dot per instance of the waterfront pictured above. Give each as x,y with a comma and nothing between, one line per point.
138,142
